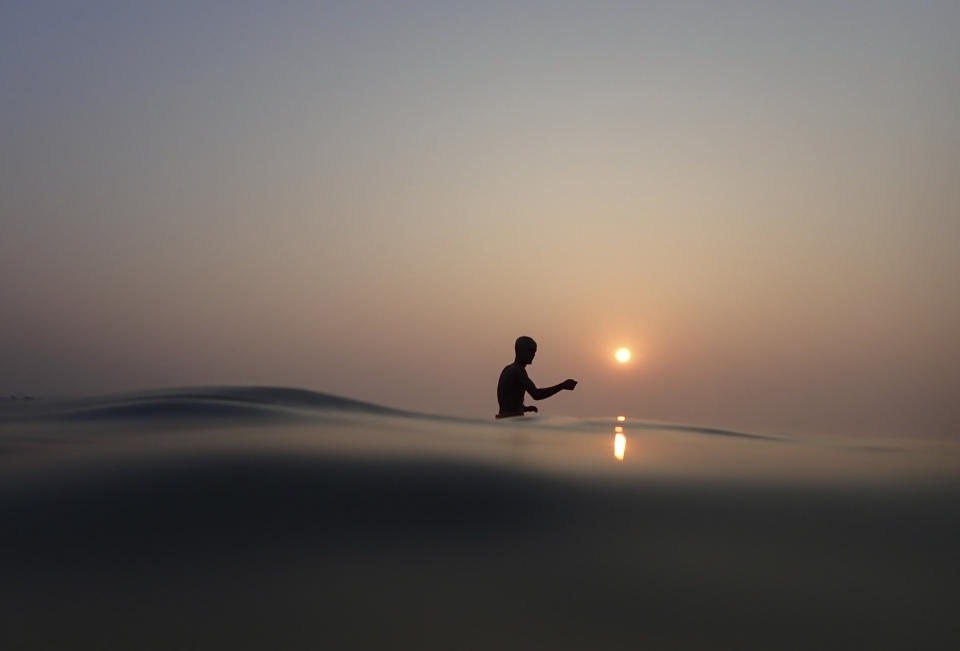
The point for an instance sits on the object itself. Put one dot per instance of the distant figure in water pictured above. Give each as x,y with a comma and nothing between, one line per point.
514,381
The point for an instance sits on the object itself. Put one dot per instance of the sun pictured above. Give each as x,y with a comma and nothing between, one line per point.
623,355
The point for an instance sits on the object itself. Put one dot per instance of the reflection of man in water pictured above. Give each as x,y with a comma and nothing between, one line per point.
514,381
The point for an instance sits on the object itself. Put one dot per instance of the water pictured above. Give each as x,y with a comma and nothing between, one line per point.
252,518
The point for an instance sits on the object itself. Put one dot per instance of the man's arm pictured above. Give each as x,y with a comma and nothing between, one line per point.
546,392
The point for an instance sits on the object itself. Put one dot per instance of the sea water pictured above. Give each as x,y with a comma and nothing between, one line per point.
256,517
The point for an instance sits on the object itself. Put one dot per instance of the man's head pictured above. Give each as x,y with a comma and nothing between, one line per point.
526,348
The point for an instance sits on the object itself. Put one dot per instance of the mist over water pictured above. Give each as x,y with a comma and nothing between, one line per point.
247,517
758,200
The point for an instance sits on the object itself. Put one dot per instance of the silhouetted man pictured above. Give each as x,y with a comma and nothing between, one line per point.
514,381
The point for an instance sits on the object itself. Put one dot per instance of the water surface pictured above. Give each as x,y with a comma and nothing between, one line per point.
256,517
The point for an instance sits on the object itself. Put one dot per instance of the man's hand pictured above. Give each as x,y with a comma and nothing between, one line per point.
530,408
569,385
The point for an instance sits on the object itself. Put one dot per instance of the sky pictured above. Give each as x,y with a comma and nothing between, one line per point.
374,199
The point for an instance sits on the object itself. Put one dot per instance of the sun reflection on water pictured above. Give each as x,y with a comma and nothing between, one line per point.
619,446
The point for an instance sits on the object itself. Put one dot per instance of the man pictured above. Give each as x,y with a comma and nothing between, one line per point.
514,381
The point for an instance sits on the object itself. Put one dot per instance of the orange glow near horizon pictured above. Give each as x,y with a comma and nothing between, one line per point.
619,446
621,418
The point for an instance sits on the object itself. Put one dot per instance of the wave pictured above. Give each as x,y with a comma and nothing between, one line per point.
604,423
204,403
267,403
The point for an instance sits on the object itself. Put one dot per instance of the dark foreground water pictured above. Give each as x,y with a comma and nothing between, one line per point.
279,519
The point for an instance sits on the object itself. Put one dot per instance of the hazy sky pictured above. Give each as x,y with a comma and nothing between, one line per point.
761,199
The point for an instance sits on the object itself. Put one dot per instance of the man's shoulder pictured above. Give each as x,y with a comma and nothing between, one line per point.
513,369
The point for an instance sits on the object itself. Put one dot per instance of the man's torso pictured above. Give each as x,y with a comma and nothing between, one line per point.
510,389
